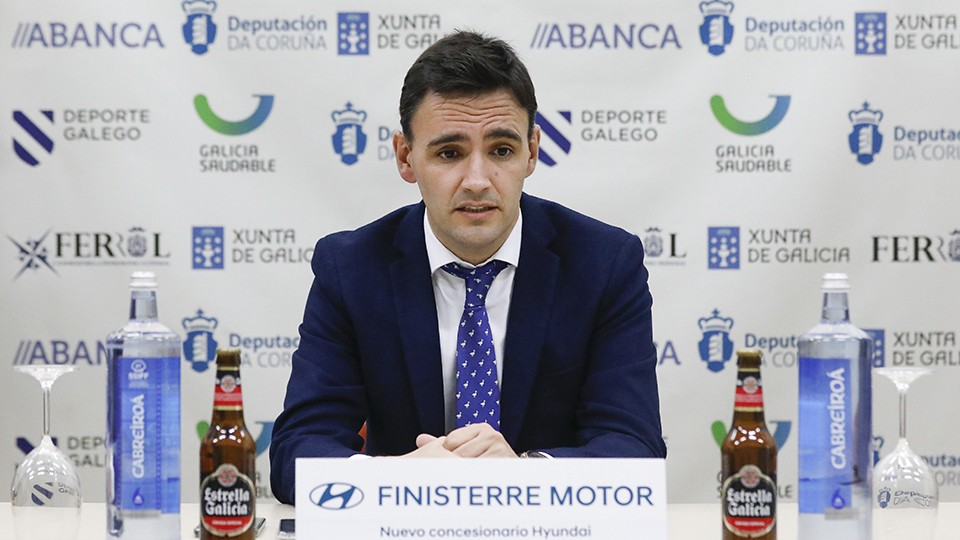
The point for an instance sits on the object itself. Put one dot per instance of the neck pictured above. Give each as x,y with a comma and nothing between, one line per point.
835,307
143,305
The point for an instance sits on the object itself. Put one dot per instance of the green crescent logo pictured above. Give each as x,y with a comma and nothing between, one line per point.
759,127
226,127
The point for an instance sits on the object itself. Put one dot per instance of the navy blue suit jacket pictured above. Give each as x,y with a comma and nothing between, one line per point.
579,372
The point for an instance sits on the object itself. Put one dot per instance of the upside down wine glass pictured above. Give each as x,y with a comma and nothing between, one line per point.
905,493
45,496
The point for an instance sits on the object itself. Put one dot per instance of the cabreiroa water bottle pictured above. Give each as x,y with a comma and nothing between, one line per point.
834,422
143,422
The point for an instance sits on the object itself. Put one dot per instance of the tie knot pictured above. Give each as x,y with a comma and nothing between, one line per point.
477,280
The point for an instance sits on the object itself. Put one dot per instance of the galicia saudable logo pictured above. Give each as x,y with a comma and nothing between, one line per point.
353,34
750,129
199,347
716,347
554,138
716,32
871,33
349,141
32,140
225,127
865,140
199,31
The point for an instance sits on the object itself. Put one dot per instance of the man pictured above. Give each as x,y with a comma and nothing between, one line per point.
481,321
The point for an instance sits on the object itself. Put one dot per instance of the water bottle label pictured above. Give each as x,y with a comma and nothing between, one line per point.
826,435
149,434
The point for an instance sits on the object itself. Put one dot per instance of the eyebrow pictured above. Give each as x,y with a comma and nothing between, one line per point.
499,133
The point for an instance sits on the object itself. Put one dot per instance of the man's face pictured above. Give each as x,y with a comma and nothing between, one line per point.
469,156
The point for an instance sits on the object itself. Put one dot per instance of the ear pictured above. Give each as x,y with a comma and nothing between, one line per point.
402,151
534,145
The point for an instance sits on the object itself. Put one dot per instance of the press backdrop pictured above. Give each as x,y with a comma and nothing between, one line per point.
752,145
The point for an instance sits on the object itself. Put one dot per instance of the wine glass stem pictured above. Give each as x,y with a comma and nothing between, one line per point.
903,414
46,410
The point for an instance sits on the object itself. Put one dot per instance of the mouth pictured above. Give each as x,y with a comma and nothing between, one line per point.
476,209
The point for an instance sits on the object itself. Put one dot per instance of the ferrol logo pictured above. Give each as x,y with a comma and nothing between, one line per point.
134,247
916,248
336,496
661,248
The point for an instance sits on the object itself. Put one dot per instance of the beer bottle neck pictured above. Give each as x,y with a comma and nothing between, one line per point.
748,399
143,305
228,392
835,307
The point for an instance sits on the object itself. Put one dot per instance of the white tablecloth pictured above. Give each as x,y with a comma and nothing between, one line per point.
686,521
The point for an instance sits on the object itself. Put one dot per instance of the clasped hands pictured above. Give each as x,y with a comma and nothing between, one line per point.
475,440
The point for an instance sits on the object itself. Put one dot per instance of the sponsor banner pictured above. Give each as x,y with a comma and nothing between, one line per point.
607,499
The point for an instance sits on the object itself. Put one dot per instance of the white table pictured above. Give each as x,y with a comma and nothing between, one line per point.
686,521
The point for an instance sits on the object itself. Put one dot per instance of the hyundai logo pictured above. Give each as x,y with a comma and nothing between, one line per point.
336,496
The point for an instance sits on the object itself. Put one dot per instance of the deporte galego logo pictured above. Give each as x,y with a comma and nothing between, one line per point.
336,496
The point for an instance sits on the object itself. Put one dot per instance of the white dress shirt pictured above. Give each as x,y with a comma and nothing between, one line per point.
450,292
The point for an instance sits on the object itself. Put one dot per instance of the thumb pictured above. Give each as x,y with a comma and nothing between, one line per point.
424,439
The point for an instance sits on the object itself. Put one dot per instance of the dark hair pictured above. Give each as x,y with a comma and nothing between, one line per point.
464,64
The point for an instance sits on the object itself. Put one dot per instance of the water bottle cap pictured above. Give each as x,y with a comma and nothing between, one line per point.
836,282
143,280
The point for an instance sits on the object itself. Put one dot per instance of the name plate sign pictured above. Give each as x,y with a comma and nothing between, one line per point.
599,499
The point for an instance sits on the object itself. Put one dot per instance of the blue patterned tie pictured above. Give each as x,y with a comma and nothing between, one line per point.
478,390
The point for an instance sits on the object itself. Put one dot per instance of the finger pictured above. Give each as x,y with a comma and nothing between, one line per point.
424,439
486,444
465,434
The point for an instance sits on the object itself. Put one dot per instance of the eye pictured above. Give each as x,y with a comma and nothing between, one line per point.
503,151
447,154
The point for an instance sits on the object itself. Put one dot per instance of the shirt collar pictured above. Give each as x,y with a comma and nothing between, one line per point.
438,254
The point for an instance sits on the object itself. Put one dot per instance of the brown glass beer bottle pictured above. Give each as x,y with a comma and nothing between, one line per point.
748,459
228,455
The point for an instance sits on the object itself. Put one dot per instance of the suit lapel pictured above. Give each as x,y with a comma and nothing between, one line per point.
530,305
416,311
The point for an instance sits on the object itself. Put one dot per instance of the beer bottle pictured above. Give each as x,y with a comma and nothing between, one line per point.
228,454
748,459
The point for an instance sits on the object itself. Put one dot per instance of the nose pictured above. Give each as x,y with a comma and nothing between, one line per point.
477,173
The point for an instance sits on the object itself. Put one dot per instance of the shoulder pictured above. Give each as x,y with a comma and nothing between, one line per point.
376,235
573,231
373,245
